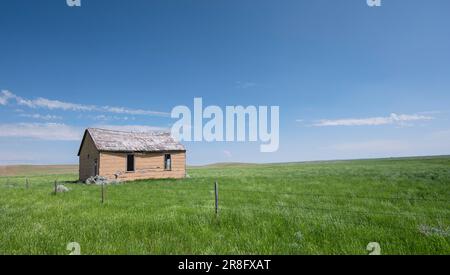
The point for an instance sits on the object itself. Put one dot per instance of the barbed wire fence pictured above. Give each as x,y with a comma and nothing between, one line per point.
216,202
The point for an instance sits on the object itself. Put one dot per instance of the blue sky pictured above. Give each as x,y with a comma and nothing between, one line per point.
351,81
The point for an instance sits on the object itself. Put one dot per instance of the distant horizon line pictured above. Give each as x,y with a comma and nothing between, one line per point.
258,163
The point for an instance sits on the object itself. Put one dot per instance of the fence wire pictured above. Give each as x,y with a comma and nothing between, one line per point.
172,192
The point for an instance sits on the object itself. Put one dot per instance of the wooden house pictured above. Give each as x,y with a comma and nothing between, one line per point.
130,155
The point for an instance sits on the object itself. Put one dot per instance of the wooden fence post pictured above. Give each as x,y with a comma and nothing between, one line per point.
103,192
216,191
56,186
26,183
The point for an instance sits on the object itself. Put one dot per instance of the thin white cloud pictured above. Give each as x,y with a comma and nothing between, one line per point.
44,131
40,102
122,110
53,104
245,85
133,128
64,132
373,121
4,97
433,112
108,118
41,117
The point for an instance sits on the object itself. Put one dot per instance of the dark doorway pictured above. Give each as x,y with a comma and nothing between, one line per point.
130,163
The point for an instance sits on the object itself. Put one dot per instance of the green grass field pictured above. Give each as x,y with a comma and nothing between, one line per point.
296,208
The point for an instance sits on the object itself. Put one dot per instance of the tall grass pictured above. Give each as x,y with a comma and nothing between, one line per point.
298,208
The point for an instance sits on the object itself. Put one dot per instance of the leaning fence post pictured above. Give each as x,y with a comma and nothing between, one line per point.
216,191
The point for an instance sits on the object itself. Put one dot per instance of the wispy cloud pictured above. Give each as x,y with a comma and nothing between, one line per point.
133,128
63,132
40,102
45,131
373,121
108,118
41,117
4,97
434,112
245,84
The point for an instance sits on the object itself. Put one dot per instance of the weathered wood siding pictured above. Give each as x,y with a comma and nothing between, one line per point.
147,165
88,154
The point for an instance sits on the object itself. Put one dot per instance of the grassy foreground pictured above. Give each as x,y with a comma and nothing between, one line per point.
298,208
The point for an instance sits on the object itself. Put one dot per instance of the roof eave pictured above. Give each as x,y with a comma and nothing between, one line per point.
153,151
86,132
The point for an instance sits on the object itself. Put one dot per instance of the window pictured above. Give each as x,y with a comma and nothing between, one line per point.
95,167
167,162
130,163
